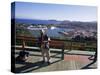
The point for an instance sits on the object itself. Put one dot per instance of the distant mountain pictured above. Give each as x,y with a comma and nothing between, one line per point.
79,25
35,21
64,24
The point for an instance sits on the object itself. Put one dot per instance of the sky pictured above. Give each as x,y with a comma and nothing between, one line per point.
41,11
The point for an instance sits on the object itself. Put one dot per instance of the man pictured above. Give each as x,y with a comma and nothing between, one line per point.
23,55
45,46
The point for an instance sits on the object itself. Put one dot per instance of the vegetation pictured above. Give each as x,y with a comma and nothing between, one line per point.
80,38
78,42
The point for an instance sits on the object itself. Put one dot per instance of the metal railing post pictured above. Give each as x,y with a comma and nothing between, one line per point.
23,44
63,47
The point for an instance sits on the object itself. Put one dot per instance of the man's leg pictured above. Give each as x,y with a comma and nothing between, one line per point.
43,54
95,56
48,55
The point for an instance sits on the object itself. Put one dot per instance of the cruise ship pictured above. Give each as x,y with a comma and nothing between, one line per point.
36,27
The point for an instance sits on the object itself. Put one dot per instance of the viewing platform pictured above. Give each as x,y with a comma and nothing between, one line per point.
73,60
64,56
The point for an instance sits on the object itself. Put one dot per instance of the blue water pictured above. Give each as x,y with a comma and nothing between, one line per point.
55,32
52,33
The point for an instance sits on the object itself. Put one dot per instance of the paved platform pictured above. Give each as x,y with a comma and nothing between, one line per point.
73,60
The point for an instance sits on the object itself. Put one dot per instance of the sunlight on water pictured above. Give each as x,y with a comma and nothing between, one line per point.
51,32
52,28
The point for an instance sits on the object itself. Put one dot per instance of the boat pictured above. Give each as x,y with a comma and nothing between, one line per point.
37,27
63,32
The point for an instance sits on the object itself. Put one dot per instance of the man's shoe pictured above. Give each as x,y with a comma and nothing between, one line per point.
48,63
43,61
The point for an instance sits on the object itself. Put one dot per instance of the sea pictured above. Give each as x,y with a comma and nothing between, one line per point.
54,33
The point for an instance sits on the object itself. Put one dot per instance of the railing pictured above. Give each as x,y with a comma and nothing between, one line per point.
59,44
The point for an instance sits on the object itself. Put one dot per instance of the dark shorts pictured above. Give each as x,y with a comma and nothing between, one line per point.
46,46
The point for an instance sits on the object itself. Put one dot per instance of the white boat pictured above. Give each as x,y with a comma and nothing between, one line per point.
37,28
63,32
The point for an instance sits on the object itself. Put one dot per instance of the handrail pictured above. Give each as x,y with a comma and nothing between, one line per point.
59,43
32,38
62,44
